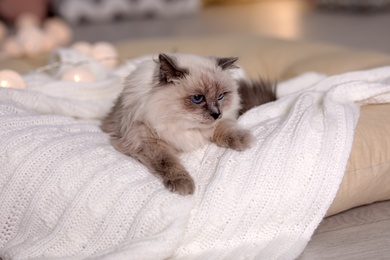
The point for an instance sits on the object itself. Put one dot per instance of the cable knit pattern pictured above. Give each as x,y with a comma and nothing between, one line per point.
66,193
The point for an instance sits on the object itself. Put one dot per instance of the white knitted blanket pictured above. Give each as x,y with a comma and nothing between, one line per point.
65,193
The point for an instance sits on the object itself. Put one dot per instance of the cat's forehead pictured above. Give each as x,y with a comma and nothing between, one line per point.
204,72
207,82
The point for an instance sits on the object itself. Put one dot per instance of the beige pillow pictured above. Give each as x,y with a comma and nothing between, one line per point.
367,177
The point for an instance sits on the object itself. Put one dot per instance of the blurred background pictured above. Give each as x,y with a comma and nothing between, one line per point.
29,27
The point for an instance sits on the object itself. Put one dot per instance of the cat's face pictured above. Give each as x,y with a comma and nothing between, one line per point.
200,89
207,98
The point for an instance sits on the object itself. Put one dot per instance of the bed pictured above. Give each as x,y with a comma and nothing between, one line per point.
38,225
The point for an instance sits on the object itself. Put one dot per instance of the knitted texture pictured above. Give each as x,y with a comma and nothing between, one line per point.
66,193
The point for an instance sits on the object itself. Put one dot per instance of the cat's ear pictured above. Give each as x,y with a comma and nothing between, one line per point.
169,70
227,63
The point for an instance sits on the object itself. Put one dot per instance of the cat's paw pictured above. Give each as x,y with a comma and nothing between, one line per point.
228,134
239,139
183,185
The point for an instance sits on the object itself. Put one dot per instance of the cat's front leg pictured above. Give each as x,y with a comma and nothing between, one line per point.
228,134
162,161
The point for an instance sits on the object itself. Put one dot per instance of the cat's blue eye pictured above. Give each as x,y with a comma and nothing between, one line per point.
197,99
220,97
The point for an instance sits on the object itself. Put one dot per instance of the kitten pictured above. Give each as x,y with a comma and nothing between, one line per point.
180,103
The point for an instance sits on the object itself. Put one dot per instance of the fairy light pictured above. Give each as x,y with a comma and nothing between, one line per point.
77,78
105,53
78,71
78,74
11,79
82,47
4,84
60,33
31,39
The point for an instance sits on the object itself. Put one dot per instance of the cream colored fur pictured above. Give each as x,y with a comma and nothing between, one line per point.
158,107
155,117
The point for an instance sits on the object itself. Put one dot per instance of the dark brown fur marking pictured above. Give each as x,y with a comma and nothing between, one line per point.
255,93
169,70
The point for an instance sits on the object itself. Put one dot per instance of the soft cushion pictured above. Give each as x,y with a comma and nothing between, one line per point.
367,177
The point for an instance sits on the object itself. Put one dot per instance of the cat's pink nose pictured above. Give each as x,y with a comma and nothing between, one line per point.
215,115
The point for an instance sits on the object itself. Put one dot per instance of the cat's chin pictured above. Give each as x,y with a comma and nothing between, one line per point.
206,125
